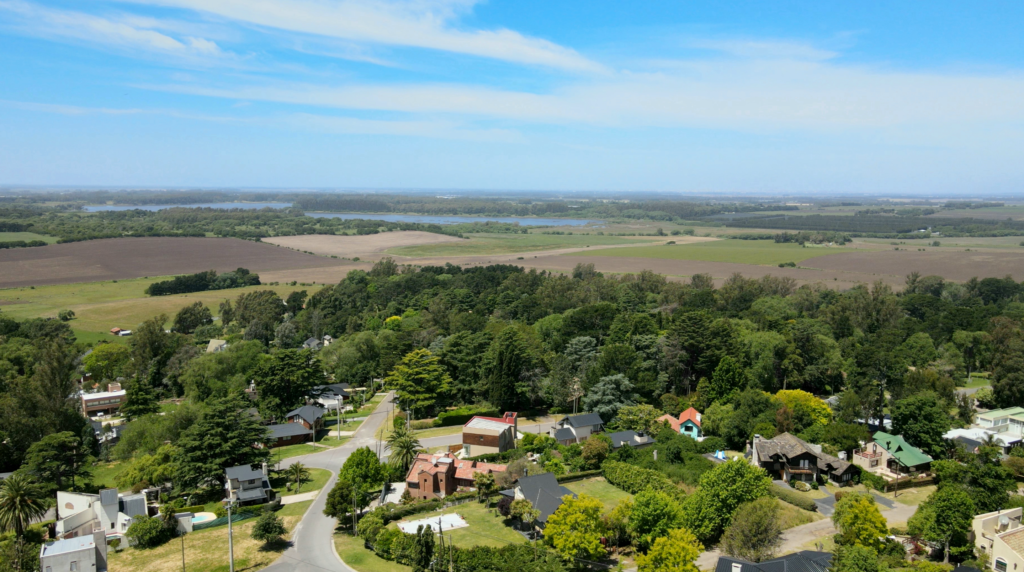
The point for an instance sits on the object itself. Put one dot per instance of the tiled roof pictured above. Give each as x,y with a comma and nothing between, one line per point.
671,420
308,413
439,463
543,492
564,434
690,414
1015,540
583,420
288,430
787,446
631,438
243,473
804,561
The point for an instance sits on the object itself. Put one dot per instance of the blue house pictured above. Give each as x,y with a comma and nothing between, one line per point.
687,424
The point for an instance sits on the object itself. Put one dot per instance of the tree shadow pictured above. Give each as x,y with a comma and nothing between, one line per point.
279,545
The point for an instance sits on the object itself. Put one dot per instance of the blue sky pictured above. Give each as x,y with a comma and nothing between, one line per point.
774,97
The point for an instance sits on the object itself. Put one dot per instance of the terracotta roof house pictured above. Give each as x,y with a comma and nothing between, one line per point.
790,458
484,435
688,423
439,475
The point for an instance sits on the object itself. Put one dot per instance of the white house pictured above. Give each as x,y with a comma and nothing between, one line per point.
576,428
80,554
81,514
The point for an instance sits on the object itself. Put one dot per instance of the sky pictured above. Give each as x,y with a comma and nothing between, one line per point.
914,98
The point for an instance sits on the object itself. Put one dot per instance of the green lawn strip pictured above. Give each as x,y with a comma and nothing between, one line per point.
511,243
105,474
26,236
289,451
978,380
486,526
438,431
331,423
357,557
600,489
317,479
764,252
368,407
791,515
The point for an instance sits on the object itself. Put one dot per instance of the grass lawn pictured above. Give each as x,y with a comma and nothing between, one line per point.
911,497
511,243
332,424
599,488
357,557
791,515
978,380
765,252
106,474
438,431
207,550
26,236
317,479
99,306
289,451
486,526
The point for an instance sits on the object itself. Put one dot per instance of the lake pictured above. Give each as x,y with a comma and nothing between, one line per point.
104,208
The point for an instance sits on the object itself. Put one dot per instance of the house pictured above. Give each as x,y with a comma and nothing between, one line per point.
1000,537
332,395
576,428
103,402
251,391
82,514
115,331
312,344
891,456
216,346
310,416
977,436
803,561
288,434
543,492
246,485
1009,421
124,333
630,439
441,474
688,423
484,435
80,554
790,458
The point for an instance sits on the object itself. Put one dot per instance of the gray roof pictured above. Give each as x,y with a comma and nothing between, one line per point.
68,545
804,561
243,473
631,438
788,446
251,494
311,343
288,430
584,420
968,443
544,493
309,413
336,389
564,434
108,496
133,505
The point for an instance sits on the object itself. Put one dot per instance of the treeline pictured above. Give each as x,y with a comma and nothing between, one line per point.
203,281
885,226
21,243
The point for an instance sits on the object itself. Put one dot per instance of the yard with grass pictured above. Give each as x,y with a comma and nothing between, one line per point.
317,479
978,379
207,550
764,252
105,475
511,243
486,526
599,488
791,515
357,557
910,497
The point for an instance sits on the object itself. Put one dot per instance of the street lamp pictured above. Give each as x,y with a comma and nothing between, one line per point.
229,504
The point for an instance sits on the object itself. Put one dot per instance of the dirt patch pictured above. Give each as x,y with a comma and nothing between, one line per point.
369,245
123,258
956,265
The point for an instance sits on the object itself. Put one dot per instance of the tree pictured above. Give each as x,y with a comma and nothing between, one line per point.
859,521
1007,363
420,381
286,379
608,395
21,502
363,466
972,346
224,436
727,380
524,511
345,497
854,558
654,514
756,531
945,518
594,451
151,347
148,532
922,420
268,528
404,447
722,490
807,409
485,485
59,459
259,313
66,315
423,549
107,361
298,473
676,552
642,417
575,529
191,317
506,364
139,400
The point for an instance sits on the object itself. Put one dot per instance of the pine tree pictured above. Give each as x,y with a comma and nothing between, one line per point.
420,381
505,365
139,400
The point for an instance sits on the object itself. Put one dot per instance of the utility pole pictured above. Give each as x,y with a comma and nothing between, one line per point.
231,541
183,552
354,512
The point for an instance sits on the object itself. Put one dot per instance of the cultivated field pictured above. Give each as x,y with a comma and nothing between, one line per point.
363,246
483,244
122,258
765,252
956,265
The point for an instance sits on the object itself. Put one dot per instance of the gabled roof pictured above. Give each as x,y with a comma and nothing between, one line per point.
907,454
804,561
288,430
492,423
311,343
583,420
788,446
564,434
337,389
308,413
630,438
690,414
543,492
243,473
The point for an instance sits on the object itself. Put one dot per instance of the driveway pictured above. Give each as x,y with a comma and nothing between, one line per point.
312,547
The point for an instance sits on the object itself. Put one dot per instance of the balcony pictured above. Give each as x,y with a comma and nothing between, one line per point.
866,454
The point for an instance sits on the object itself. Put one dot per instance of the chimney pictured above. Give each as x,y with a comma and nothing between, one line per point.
265,473
114,386
514,418
737,567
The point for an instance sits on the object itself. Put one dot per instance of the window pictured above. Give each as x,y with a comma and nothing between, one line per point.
804,463
1000,565
48,569
74,566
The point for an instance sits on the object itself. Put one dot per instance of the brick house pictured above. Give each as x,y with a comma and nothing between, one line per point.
484,435
439,475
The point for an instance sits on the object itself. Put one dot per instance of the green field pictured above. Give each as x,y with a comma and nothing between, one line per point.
599,488
317,479
484,244
26,236
486,526
99,306
740,251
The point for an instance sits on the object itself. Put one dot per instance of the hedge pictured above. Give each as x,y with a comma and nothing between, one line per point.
462,415
504,457
793,498
398,512
568,478
192,509
633,479
872,481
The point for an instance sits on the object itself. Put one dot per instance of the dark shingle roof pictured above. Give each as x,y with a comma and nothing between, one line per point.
584,420
251,494
544,493
309,413
564,434
630,438
288,430
804,561
336,389
243,473
788,446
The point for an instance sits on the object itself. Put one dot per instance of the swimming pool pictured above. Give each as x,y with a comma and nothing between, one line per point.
203,517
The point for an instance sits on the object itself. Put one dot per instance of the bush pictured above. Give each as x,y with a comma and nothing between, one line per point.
633,479
268,528
579,476
421,424
148,532
710,445
793,498
461,415
872,481
802,486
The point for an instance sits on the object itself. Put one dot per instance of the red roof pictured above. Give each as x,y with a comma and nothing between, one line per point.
509,418
433,464
690,414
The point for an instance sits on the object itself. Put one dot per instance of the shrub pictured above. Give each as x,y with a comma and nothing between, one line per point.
148,532
421,424
633,479
461,415
793,498
872,481
268,528
802,486
710,445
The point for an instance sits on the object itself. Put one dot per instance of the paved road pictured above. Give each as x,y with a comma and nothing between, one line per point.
313,542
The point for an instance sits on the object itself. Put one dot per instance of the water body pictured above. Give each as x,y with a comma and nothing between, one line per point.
428,219
432,219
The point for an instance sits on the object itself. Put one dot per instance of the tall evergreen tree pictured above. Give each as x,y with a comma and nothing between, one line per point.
507,363
223,437
420,381
286,379
60,461
139,400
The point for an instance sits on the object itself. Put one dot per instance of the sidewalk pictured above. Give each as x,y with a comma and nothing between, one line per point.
301,497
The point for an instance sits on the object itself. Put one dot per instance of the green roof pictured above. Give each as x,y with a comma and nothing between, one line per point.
907,454
1008,412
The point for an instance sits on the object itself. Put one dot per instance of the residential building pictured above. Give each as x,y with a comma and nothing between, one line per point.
82,514
441,474
332,396
803,561
630,439
543,492
890,456
790,458
312,344
688,423
288,434
216,346
1009,421
246,485
576,428
79,554
1005,441
1000,537
310,416
484,435
103,402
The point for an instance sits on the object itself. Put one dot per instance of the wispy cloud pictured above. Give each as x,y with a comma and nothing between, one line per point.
765,49
417,24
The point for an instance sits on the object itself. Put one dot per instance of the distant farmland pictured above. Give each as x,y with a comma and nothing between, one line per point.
763,252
